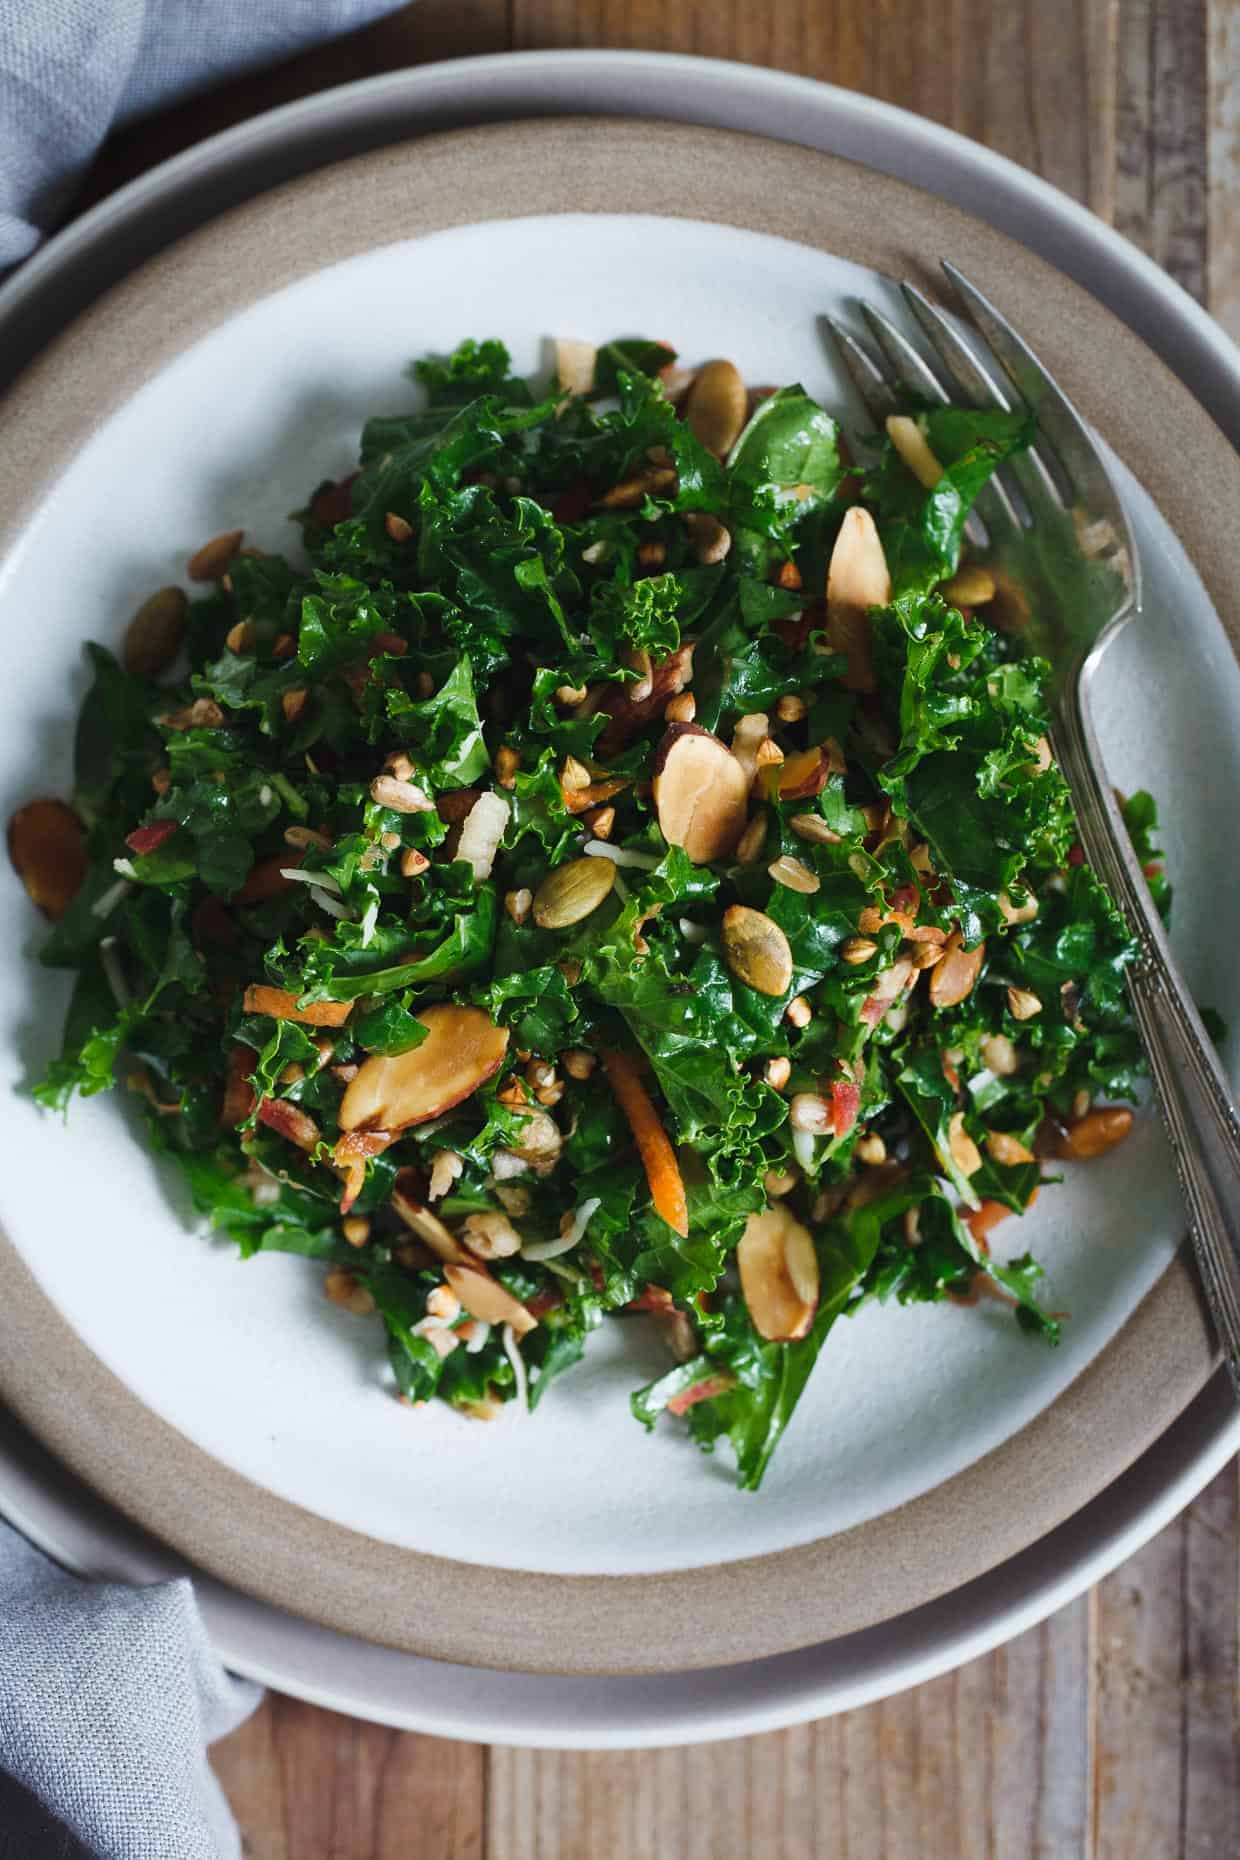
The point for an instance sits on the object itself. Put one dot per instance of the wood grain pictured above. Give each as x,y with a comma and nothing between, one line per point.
312,1785
1110,1732
968,1765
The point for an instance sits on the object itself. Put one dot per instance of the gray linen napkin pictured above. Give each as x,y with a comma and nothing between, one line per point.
109,1695
72,69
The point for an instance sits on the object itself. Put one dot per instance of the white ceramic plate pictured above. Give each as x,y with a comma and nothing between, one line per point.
235,432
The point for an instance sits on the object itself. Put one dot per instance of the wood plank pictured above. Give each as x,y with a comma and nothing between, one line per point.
1161,136
967,63
989,1761
1168,1692
306,1784
1223,163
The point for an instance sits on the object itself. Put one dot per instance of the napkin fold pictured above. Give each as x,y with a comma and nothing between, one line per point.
70,70
109,1696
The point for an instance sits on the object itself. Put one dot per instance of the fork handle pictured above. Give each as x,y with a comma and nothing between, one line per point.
1193,1092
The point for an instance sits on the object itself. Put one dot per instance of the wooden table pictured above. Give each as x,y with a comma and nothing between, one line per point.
1112,1730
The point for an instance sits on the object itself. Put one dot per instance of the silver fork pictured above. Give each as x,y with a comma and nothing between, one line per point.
1053,520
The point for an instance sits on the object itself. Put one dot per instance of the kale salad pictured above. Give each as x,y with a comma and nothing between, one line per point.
619,869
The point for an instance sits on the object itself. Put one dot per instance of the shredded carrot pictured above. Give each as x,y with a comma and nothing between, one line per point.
667,1187
282,1005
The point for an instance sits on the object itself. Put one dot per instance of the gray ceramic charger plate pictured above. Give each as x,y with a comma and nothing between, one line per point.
747,1607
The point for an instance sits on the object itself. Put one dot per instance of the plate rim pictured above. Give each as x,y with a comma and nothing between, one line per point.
593,1615
342,1673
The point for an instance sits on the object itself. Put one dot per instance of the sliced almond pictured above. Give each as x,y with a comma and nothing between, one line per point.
419,1219
952,980
1004,1148
794,875
210,563
914,448
779,1275
572,892
282,1005
154,635
48,853
813,827
404,797
462,1049
717,407
486,1299
708,538
700,793
1023,1004
857,579
756,950
581,800
970,586
804,773
964,1151
1096,1133
1017,913
574,364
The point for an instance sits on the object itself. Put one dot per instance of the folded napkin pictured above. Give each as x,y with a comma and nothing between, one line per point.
70,70
109,1696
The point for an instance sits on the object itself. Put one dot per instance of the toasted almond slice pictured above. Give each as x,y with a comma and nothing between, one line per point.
970,586
210,563
964,1151
419,1219
282,1005
914,448
717,407
574,364
485,1298
794,874
48,854
1007,1149
804,773
700,792
708,538
462,1048
857,579
779,1275
953,979
1096,1133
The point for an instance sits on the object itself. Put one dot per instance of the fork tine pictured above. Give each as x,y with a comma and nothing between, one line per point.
910,368
876,388
979,385
967,374
867,377
973,381
1058,419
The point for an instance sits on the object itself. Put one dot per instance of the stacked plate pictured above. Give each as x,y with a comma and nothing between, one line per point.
568,1581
